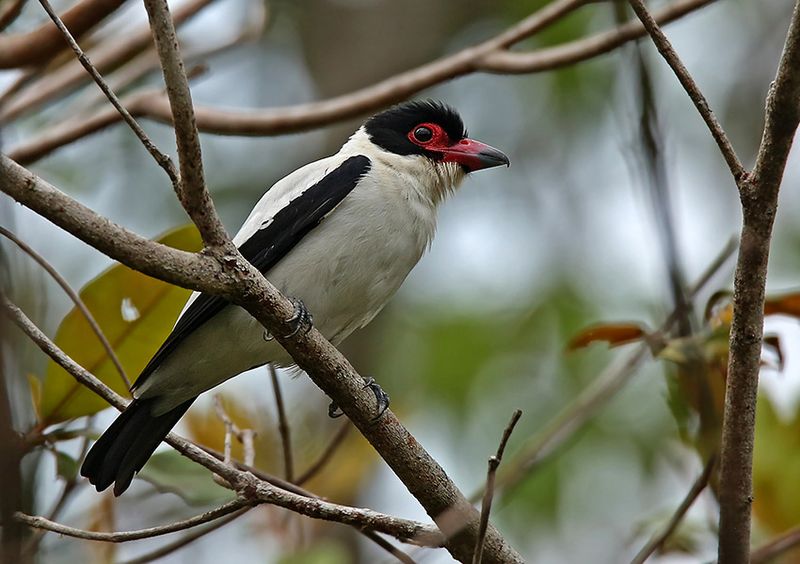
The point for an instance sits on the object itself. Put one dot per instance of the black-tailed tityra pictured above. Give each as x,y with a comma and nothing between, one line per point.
339,235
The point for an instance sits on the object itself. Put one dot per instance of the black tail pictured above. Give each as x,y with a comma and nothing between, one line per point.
127,444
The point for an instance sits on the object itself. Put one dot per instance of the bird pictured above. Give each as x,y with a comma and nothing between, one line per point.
338,235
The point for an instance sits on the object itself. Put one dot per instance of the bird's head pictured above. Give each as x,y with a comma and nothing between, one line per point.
431,135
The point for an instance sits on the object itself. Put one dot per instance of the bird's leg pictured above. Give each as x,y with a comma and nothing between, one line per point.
381,397
301,319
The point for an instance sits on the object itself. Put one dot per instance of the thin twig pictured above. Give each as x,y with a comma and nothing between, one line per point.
125,536
187,539
388,547
74,296
161,158
486,506
192,191
665,48
776,546
697,488
326,455
283,426
244,436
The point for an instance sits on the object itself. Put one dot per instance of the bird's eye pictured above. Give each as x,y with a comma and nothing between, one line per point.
423,134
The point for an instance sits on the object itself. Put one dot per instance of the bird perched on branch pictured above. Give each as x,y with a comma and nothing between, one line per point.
338,235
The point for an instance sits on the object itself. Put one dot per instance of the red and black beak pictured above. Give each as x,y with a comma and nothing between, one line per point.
474,155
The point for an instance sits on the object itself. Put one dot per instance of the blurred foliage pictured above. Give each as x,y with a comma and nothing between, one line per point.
170,471
320,553
134,311
698,398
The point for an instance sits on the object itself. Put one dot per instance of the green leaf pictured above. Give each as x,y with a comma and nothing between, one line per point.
66,466
172,472
134,311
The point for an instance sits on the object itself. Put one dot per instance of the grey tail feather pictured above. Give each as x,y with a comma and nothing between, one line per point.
126,445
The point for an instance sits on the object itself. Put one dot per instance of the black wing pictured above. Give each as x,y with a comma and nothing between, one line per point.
269,245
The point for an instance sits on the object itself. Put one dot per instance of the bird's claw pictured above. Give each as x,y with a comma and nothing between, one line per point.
381,397
334,411
301,319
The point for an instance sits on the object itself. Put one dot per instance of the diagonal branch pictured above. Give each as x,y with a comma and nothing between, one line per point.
192,193
10,11
486,505
694,492
283,425
665,48
187,539
74,296
776,546
162,159
39,46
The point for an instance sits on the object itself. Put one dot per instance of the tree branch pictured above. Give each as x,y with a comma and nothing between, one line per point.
162,159
774,547
74,296
490,56
10,12
39,46
486,505
38,522
187,539
113,52
326,455
665,48
759,197
697,488
283,426
192,193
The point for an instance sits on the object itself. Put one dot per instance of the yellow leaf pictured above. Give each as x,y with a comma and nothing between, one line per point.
134,311
36,393
776,489
615,334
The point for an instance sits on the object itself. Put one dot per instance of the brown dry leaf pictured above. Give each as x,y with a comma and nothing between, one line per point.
615,334
788,304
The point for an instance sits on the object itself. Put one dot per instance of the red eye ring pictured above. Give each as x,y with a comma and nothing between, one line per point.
428,135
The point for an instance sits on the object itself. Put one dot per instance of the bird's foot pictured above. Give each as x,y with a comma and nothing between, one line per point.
301,320
381,397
